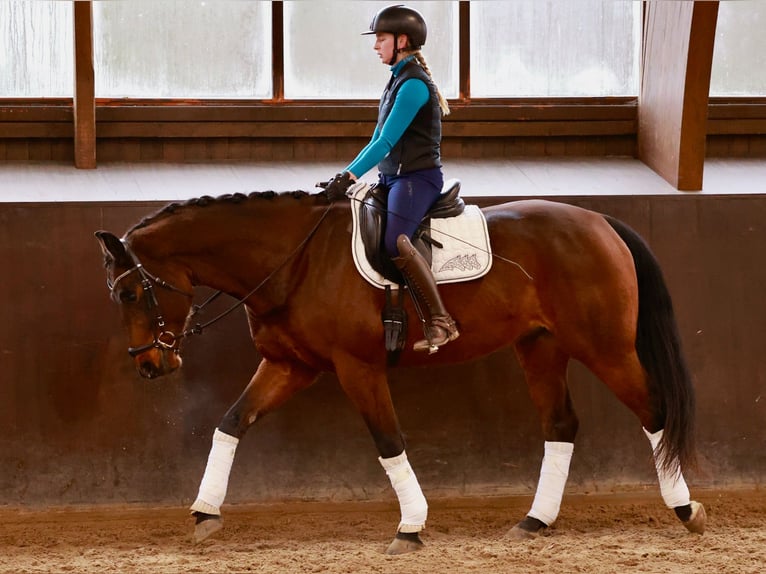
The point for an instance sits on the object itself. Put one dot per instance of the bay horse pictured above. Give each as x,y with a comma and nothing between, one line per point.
566,283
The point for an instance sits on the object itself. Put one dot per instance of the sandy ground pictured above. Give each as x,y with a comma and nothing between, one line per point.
594,534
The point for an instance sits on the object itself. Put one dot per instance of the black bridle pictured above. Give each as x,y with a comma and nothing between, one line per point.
167,340
163,339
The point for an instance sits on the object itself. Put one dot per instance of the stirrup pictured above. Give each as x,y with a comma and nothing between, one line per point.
446,330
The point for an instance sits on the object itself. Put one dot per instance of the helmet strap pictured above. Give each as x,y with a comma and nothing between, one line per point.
396,50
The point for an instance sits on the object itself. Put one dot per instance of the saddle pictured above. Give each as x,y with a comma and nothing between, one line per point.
463,254
372,225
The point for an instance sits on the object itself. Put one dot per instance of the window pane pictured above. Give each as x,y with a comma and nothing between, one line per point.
36,49
182,49
740,44
327,58
555,48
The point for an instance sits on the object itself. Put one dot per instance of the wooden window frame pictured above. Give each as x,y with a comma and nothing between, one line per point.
278,117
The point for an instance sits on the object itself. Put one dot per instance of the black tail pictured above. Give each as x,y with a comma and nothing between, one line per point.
659,349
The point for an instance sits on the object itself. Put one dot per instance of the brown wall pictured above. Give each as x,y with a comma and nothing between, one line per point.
79,426
151,131
237,131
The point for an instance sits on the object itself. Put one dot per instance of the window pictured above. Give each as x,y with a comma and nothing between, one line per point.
36,49
214,49
740,44
182,49
550,48
326,57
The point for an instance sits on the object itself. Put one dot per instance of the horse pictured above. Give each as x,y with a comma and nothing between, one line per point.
567,283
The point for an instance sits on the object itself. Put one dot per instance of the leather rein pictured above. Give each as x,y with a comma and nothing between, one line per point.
167,340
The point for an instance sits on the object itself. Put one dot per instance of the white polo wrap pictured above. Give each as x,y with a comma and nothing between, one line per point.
215,481
672,484
553,478
412,503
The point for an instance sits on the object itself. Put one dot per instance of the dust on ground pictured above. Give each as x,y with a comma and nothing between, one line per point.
594,534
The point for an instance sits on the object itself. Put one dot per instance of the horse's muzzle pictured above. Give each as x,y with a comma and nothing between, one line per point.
157,363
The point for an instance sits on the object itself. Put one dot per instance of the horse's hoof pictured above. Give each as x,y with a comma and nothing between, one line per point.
206,525
527,529
696,522
517,533
404,543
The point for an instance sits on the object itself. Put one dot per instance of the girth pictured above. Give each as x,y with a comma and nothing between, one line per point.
372,225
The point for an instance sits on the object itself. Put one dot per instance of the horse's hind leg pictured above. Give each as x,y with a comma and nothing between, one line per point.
650,375
272,384
545,366
627,380
367,387
674,490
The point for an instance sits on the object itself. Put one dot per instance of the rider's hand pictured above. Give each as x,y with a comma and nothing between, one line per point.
337,187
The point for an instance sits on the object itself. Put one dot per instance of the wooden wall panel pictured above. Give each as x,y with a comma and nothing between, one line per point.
678,55
36,150
245,149
79,426
343,150
45,131
740,146
84,90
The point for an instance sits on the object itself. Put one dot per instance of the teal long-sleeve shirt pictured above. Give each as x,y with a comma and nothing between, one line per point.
412,96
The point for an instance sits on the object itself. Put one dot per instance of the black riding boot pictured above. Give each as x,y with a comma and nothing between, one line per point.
440,328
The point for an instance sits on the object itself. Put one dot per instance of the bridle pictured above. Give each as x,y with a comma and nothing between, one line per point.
163,339
167,340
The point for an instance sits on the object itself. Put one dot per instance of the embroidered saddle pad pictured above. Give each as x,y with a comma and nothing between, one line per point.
465,255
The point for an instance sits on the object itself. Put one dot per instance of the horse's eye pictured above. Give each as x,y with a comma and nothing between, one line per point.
127,296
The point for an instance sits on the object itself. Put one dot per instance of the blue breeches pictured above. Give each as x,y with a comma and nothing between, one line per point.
409,198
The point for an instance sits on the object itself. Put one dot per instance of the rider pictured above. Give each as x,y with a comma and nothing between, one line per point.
406,148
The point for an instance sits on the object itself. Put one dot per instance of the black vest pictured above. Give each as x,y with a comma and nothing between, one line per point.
419,146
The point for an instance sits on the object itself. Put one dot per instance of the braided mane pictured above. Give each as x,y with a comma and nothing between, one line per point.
207,200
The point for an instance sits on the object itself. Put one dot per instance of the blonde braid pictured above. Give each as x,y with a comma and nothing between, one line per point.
442,101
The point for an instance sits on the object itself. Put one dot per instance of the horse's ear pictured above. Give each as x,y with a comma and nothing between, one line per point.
111,246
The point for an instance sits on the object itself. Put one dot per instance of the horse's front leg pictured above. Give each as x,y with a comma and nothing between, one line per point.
367,387
272,384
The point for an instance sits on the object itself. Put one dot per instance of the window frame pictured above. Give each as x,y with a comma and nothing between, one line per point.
281,117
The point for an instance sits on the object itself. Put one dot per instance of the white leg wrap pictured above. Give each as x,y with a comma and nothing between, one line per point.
553,478
412,503
212,490
672,484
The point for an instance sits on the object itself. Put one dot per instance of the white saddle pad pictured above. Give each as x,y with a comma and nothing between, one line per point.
466,254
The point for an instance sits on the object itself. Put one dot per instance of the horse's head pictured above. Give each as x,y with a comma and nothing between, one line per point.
154,310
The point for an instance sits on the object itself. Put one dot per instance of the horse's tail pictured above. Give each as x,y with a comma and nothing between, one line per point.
658,345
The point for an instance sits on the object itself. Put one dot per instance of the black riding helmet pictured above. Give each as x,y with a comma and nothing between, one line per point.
400,19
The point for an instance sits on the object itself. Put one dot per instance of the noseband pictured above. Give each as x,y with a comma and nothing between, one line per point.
163,339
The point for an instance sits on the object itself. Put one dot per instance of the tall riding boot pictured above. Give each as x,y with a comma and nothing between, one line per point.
440,328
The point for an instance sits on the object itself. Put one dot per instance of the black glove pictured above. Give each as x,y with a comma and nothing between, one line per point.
337,187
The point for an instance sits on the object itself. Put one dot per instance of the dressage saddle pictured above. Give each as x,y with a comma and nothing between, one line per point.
372,223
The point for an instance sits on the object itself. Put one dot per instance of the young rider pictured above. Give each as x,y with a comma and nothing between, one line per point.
406,148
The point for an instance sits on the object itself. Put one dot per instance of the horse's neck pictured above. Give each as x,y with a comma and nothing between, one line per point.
234,254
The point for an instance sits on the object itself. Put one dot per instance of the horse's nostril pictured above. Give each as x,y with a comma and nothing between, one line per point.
148,370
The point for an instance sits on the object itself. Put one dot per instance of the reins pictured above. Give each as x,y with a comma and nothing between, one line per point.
168,339
199,328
